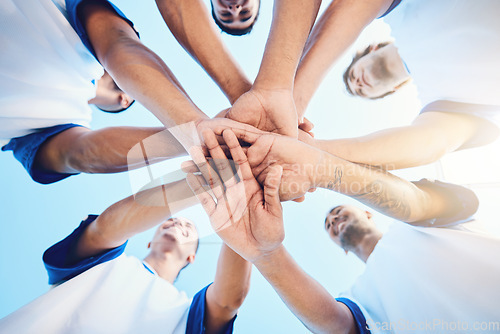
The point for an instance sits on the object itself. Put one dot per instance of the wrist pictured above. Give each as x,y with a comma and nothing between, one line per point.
267,259
328,173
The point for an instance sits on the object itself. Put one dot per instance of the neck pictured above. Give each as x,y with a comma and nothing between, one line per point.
367,244
166,265
396,63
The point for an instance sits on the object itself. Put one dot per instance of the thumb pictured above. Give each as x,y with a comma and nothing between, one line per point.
271,190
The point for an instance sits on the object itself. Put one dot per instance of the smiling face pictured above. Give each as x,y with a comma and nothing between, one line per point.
376,72
346,225
235,17
371,76
176,234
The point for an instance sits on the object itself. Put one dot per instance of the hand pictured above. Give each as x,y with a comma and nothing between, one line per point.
298,160
248,218
267,110
189,134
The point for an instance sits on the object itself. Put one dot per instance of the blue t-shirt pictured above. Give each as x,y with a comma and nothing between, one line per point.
359,318
60,270
72,7
393,5
56,259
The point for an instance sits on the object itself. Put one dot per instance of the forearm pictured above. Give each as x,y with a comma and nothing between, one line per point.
109,150
133,215
192,26
229,290
428,138
338,27
136,69
292,22
376,188
395,148
303,295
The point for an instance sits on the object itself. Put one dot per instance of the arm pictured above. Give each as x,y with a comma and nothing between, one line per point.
305,167
249,219
131,216
135,68
304,296
227,293
428,138
192,26
107,150
338,27
269,104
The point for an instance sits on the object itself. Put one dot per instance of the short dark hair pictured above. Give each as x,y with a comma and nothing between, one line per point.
231,31
358,56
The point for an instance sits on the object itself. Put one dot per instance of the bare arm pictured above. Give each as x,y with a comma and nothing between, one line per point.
269,104
428,138
131,216
135,68
305,167
338,27
227,293
107,150
192,26
250,220
304,296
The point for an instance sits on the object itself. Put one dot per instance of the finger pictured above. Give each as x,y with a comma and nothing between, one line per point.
221,162
202,195
271,190
189,167
239,157
312,190
208,172
300,199
246,136
306,125
218,125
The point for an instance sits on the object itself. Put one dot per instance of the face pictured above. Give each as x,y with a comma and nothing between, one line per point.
109,96
371,76
346,225
175,234
236,14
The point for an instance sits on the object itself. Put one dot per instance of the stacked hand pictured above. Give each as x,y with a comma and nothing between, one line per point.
246,216
298,161
267,110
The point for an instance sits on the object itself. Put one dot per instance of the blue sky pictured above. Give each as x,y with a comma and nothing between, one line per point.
35,216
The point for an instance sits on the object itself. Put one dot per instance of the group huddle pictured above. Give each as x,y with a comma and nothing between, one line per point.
428,273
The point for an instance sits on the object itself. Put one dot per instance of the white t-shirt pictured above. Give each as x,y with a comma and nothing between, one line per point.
430,280
118,296
451,48
46,72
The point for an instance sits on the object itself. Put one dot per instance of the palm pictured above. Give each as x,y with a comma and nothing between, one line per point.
246,217
271,111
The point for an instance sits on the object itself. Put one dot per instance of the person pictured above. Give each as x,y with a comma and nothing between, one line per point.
267,103
99,289
47,84
235,18
455,85
381,66
427,268
417,280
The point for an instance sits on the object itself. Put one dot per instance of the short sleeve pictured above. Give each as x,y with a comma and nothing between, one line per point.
196,316
393,5
56,262
72,7
464,200
359,318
